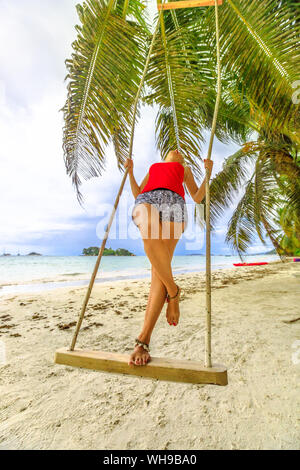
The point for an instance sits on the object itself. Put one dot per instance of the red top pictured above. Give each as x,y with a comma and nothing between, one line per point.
166,175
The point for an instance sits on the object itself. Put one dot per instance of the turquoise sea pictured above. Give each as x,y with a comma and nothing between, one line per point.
36,273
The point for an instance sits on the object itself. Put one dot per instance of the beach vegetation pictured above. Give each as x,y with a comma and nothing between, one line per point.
94,251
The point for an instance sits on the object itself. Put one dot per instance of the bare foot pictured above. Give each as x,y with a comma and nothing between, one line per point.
173,312
139,357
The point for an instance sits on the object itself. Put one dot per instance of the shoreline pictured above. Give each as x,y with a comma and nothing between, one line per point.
82,279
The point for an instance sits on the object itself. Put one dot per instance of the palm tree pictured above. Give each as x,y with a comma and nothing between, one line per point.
115,52
267,173
104,74
289,238
259,65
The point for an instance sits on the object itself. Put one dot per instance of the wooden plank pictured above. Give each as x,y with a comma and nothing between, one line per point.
187,4
158,368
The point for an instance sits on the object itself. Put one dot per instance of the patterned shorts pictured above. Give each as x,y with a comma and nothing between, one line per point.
171,206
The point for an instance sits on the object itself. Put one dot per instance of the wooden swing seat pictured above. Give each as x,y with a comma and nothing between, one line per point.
187,4
174,370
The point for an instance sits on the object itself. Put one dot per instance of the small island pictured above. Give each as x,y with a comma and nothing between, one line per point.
33,253
94,251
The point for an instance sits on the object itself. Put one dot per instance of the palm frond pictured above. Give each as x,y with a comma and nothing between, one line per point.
103,78
226,185
240,232
178,88
266,196
260,44
275,180
234,123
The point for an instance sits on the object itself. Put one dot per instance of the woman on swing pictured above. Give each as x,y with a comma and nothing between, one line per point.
161,216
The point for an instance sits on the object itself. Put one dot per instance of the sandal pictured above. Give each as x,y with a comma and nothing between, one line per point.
144,345
168,298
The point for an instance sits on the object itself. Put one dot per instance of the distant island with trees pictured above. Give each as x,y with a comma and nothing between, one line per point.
94,251
33,253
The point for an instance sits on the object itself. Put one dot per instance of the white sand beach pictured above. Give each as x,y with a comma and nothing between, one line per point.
256,322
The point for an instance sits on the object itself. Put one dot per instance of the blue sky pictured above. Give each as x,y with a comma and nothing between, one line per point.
38,206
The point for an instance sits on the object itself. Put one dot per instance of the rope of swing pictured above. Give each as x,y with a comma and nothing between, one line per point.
208,362
170,82
173,107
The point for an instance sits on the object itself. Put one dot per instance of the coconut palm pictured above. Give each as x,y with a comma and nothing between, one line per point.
104,74
266,175
260,63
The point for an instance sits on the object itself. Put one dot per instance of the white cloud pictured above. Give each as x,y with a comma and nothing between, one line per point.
260,248
35,38
37,197
32,175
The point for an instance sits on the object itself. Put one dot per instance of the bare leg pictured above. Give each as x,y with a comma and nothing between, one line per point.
155,248
157,293
157,297
173,312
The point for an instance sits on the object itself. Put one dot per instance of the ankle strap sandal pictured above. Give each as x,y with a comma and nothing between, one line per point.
174,296
144,345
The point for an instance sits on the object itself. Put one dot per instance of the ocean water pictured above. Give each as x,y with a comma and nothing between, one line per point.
36,273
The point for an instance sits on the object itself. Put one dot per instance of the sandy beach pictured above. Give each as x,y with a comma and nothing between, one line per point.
256,323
